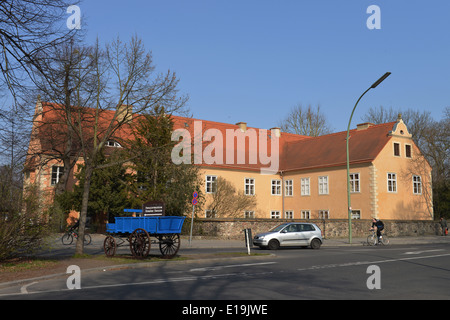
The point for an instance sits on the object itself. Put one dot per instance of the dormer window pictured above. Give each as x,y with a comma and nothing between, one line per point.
112,143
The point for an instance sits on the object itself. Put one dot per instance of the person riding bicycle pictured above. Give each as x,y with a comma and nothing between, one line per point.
75,226
378,226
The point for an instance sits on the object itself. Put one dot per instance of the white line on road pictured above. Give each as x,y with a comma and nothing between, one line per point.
349,264
231,266
23,289
156,281
419,252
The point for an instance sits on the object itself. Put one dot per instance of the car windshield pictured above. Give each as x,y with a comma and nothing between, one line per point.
278,228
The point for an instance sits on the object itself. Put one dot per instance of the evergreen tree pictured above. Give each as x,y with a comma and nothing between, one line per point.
157,177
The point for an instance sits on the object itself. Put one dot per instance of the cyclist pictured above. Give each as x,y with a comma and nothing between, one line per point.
378,226
75,226
443,223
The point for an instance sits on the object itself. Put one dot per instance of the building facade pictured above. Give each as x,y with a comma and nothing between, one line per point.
290,176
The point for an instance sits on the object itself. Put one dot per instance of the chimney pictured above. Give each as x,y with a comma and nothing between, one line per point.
276,131
242,126
364,126
125,113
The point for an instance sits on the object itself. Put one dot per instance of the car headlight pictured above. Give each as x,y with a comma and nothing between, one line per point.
259,237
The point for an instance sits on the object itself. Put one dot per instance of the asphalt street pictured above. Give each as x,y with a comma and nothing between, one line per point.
406,270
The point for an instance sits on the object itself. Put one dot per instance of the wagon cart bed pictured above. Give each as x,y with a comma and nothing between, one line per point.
138,230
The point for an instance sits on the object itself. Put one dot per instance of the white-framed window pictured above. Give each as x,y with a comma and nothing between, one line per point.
210,213
276,187
324,214
417,184
323,185
305,189
354,182
57,172
356,214
289,214
306,214
275,215
113,144
249,214
391,182
289,188
249,187
210,185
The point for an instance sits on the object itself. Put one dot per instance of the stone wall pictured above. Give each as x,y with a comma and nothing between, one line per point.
233,228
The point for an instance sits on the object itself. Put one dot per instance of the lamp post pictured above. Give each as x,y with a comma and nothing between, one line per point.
373,86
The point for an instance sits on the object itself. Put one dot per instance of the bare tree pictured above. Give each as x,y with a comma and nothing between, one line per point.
66,84
227,202
433,139
125,84
28,28
306,121
417,121
96,95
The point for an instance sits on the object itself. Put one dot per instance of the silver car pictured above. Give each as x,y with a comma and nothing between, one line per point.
290,234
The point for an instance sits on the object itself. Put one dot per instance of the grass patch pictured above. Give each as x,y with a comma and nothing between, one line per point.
24,264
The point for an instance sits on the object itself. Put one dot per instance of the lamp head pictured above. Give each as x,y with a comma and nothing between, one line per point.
376,83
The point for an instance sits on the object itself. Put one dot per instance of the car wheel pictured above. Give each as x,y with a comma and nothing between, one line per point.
274,244
315,244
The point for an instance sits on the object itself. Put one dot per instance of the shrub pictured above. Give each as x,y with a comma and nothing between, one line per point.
21,235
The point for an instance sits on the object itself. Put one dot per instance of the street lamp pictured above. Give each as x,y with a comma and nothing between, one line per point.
373,86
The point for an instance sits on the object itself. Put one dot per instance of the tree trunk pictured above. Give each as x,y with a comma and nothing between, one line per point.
84,207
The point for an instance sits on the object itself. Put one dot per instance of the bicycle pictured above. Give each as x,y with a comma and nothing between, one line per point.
67,238
372,240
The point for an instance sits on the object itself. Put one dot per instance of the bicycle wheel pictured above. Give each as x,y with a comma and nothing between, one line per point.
87,239
385,239
67,239
372,240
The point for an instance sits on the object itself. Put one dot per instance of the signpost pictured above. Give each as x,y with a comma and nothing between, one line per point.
194,203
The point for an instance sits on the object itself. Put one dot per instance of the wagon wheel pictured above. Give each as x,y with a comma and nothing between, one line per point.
139,243
109,246
169,245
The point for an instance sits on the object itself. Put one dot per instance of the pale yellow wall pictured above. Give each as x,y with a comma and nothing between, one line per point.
265,202
373,199
403,204
336,200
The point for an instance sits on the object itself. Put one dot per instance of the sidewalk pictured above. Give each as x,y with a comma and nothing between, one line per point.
334,242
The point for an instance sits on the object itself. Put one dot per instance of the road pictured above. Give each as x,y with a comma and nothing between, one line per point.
420,271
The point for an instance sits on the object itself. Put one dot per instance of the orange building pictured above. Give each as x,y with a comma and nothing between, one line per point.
293,176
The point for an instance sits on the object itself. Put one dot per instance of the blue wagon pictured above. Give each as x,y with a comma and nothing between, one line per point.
138,230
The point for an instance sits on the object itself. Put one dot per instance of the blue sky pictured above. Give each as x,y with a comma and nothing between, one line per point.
252,61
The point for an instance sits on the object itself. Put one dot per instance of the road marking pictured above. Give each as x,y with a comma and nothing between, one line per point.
419,252
24,290
156,281
231,266
359,263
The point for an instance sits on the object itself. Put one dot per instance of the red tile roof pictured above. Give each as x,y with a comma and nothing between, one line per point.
330,150
296,152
